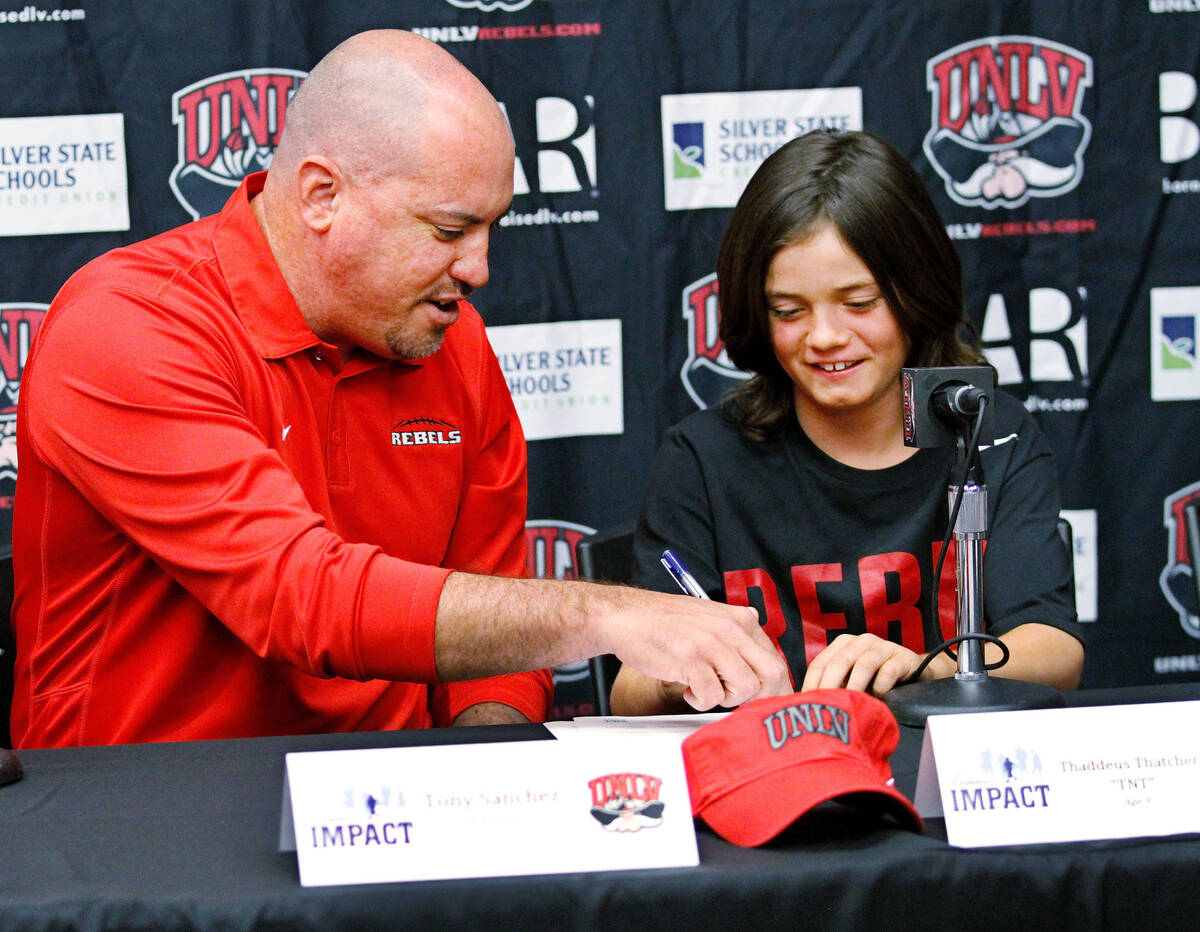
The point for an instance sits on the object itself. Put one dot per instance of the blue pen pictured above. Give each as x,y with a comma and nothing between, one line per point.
687,582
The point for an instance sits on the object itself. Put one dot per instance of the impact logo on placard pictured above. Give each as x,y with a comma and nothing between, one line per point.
370,820
228,126
19,324
1007,778
626,802
1007,119
707,372
1178,578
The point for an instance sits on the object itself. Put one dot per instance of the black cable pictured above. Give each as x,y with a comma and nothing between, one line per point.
971,636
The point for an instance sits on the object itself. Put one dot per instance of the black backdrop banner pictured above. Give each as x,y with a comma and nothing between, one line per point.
1061,141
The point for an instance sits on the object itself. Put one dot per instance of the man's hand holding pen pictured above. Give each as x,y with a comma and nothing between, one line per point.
725,668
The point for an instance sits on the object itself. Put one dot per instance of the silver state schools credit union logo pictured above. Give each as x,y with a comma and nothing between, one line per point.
1007,121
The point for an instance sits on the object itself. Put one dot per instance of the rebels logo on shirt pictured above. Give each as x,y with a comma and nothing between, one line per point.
892,599
425,431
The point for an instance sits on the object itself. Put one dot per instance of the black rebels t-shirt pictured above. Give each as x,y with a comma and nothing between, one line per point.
821,548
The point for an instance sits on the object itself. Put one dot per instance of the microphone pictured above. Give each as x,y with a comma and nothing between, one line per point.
939,401
955,402
948,406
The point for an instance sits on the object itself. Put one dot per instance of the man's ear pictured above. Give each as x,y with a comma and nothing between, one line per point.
319,181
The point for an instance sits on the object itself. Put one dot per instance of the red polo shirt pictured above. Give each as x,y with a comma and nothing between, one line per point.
221,532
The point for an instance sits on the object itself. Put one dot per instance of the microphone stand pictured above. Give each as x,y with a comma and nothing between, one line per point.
970,689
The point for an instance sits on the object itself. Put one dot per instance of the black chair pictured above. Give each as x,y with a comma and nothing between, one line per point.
606,556
1068,538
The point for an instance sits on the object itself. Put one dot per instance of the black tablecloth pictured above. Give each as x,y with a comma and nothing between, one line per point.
185,835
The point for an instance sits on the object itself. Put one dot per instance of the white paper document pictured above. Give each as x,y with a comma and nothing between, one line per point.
670,729
1055,775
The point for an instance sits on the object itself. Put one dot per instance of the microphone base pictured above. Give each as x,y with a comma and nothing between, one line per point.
913,703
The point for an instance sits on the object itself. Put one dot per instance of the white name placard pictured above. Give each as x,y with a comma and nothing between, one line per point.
486,810
1055,775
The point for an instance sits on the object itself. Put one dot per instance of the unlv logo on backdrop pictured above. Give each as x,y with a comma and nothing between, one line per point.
1178,577
707,372
550,554
551,548
509,6
19,324
1007,120
228,127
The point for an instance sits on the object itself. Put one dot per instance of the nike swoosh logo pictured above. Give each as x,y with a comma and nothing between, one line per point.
286,430
984,446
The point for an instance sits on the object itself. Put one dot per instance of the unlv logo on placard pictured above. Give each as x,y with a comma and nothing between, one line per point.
19,324
228,127
1007,121
707,372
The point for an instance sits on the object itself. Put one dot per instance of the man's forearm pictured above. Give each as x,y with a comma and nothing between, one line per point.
488,625
489,713
491,625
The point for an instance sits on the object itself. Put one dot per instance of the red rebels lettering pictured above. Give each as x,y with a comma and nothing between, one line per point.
1005,73
816,623
907,608
258,102
18,327
706,343
738,584
879,612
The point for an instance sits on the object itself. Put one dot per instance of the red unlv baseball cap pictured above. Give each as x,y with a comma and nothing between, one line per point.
759,769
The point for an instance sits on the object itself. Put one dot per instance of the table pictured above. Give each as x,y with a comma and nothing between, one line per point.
185,835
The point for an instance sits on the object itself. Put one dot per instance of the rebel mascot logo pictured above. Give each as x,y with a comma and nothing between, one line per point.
1007,119
626,802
